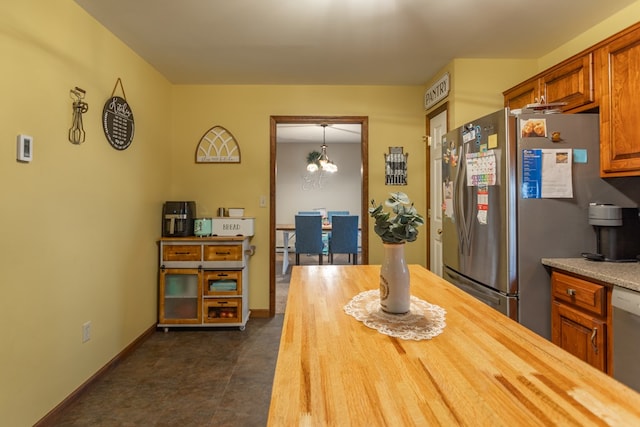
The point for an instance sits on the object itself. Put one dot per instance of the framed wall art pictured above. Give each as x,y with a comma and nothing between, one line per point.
218,145
396,166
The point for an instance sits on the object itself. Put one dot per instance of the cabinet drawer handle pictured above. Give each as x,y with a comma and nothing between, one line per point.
223,253
182,253
594,332
571,292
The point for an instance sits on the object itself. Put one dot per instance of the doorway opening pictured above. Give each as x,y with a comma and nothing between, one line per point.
276,123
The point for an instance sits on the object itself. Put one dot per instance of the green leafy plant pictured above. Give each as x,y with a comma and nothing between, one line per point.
314,158
401,228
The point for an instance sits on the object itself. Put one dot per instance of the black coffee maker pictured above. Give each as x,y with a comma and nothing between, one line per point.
177,219
617,233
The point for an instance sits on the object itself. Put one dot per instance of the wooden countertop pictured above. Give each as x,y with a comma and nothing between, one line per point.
204,239
483,370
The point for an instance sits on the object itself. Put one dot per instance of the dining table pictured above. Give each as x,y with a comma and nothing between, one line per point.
288,231
453,361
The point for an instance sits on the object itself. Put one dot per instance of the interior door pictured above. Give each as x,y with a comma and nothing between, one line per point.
437,128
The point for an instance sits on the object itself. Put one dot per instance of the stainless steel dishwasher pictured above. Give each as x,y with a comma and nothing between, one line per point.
626,336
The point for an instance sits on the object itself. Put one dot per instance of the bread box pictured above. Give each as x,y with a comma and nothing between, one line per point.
227,226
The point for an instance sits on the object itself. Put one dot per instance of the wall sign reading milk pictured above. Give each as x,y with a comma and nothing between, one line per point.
437,92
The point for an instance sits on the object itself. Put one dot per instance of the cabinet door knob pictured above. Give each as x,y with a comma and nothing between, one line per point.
594,332
571,292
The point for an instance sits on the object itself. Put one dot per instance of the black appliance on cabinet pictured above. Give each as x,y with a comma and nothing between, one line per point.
177,219
617,233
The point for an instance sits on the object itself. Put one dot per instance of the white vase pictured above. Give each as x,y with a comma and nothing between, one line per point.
395,292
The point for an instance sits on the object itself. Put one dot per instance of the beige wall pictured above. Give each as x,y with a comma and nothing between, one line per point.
621,20
477,85
298,189
79,223
395,119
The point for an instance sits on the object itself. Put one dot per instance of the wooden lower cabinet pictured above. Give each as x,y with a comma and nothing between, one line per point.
581,319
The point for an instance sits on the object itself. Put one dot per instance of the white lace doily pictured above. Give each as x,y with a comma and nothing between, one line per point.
423,321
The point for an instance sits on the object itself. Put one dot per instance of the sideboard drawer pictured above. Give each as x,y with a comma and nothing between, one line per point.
220,282
181,253
223,252
222,310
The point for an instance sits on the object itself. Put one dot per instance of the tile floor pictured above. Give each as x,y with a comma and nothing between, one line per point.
190,377
195,377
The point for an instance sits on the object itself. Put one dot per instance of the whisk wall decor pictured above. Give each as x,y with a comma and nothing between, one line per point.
76,132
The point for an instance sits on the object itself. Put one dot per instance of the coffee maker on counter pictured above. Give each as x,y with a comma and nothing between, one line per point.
177,219
617,233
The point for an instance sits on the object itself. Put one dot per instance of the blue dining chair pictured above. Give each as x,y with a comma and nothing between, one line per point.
331,214
308,236
327,235
344,237
310,213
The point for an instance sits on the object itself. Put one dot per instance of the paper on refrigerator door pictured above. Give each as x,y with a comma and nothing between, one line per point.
481,168
483,204
546,173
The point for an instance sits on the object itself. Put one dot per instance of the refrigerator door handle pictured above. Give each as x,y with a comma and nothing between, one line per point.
462,228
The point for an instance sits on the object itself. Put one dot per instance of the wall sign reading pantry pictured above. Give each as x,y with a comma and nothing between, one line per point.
117,120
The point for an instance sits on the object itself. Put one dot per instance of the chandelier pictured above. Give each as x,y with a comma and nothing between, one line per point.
320,161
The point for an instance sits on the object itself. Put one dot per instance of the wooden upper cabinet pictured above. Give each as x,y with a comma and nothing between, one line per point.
620,105
607,75
570,82
521,95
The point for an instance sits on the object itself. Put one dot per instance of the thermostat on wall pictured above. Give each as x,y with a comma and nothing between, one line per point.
25,148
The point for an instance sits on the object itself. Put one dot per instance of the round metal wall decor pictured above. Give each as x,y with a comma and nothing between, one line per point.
117,122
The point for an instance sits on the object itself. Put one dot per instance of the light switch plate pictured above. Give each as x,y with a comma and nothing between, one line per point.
25,148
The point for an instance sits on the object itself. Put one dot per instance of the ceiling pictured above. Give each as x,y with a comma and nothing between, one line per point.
340,42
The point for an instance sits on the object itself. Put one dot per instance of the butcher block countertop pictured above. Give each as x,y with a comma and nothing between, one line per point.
482,370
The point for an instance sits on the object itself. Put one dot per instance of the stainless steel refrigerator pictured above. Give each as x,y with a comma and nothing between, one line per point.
516,190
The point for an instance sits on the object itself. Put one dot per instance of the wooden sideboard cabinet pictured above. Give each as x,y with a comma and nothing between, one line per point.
204,282
619,61
581,319
571,81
